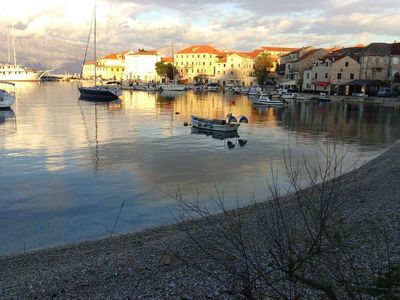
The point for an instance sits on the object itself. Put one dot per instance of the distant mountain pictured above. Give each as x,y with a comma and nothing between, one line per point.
48,53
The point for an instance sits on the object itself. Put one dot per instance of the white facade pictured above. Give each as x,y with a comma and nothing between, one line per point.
141,66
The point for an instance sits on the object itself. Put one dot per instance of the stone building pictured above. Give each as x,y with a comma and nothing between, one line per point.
296,63
375,61
236,68
197,63
330,73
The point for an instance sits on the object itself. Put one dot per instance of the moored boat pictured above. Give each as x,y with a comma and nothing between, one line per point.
7,99
215,124
173,87
96,92
265,100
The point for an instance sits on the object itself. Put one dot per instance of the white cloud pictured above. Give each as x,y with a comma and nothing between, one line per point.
240,24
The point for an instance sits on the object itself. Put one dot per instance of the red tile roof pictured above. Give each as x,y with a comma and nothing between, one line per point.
279,49
200,49
90,63
167,59
147,52
111,56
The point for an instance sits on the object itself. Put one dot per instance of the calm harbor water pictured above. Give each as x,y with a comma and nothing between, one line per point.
68,165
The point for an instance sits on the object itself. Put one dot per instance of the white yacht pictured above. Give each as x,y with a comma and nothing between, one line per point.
13,73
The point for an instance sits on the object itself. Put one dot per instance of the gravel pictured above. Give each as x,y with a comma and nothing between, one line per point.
141,266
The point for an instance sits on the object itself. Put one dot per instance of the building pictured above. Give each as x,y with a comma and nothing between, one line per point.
330,73
375,61
275,52
236,68
197,63
141,66
109,67
394,70
296,63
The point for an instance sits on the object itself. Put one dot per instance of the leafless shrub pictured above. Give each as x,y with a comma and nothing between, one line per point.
305,244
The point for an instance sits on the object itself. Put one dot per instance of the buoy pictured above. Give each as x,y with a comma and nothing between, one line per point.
232,119
185,124
243,119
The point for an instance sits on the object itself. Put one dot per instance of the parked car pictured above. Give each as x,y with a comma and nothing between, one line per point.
386,92
359,95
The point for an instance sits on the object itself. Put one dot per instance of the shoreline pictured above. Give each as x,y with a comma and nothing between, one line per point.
137,265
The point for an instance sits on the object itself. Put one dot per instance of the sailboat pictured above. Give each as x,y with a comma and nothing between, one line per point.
14,72
95,92
173,87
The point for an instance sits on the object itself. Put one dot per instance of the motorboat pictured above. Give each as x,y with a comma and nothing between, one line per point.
7,98
212,87
254,91
265,100
96,92
173,87
230,124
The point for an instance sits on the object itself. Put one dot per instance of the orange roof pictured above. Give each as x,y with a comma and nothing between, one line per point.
111,56
167,59
150,52
90,63
278,49
200,49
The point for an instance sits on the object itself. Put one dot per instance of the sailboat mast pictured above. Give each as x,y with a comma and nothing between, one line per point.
13,41
173,61
95,58
8,45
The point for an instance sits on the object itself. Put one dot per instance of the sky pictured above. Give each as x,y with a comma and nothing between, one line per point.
52,33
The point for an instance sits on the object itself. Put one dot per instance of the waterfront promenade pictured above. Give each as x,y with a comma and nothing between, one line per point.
138,265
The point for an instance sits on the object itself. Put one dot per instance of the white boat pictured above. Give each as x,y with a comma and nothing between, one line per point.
212,87
254,91
215,124
7,99
265,100
96,92
173,87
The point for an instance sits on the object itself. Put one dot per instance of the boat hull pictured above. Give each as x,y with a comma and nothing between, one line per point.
6,100
95,94
173,87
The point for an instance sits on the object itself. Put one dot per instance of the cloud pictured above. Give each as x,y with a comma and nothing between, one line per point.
230,24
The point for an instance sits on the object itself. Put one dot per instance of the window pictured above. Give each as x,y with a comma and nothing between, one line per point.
346,64
224,65
231,72
327,64
198,55
204,56
198,71
351,76
231,65
182,63
377,60
204,63
316,75
339,75
224,72
238,65
210,64
210,56
308,75
326,75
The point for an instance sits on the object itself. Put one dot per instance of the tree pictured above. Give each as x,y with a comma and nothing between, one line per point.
166,70
263,66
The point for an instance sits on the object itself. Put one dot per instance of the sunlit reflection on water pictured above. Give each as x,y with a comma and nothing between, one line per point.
68,165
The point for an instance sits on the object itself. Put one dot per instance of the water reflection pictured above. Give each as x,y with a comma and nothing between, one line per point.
71,163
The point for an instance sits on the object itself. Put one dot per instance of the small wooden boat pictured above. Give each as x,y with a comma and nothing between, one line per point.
215,124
